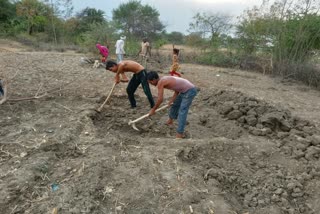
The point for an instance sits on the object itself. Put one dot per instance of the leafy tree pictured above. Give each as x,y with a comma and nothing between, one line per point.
59,8
7,13
195,39
289,31
7,10
175,38
35,14
87,17
210,25
138,20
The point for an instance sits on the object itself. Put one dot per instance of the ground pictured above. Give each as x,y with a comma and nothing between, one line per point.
252,143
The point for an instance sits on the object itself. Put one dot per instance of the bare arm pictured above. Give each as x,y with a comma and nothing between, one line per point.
119,71
159,100
173,98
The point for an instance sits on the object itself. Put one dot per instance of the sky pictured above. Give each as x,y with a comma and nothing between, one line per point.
175,14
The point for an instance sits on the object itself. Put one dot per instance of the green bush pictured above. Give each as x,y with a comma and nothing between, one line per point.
218,58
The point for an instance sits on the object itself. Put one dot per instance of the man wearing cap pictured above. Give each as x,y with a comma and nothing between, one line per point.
120,48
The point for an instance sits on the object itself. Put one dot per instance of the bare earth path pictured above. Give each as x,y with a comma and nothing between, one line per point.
252,145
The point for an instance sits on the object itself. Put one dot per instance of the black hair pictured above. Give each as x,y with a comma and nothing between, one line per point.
110,64
176,51
152,75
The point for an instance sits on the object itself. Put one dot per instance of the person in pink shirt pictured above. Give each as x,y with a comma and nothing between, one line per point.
104,51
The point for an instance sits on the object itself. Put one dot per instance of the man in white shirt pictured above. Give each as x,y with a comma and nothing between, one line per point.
120,48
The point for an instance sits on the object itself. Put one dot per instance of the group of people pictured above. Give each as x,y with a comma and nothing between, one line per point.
184,90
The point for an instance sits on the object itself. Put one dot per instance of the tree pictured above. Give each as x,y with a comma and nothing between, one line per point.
7,10
7,13
35,14
175,38
138,20
288,30
210,25
89,16
59,8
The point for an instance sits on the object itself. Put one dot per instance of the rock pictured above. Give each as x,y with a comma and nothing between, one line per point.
301,146
315,140
265,131
285,126
251,120
235,114
297,195
241,119
252,112
291,186
278,191
225,109
282,135
308,129
252,103
256,132
311,152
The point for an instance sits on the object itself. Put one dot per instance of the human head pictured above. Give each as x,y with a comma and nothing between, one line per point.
98,45
153,78
123,37
111,66
176,51
144,40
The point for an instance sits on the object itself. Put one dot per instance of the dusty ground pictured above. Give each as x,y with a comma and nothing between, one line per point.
252,143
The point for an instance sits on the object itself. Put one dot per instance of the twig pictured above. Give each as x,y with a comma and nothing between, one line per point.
14,209
115,205
64,106
39,89
177,169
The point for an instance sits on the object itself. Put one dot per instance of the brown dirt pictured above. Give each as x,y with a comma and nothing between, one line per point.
252,143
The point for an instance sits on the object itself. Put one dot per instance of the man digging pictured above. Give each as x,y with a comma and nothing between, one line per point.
139,77
184,93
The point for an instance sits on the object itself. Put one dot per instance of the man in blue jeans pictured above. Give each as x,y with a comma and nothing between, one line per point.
184,92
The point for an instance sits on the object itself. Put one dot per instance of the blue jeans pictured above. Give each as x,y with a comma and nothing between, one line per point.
119,57
180,107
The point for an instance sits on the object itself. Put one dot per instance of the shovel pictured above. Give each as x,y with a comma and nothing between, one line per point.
101,107
133,122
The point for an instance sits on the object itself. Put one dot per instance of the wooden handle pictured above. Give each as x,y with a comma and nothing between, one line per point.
147,115
100,108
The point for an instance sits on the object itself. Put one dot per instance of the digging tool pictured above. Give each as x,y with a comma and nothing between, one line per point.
133,122
100,108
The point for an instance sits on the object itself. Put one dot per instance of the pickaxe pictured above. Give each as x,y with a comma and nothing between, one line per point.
133,122
100,108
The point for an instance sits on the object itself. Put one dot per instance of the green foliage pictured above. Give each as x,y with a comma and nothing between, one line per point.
194,39
160,42
137,20
175,38
285,32
87,17
34,13
99,32
218,58
7,11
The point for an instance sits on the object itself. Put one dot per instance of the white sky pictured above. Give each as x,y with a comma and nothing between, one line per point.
175,14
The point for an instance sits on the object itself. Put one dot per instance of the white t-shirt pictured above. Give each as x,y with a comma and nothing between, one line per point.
120,47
